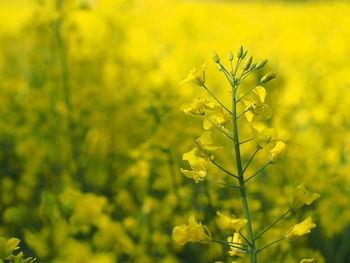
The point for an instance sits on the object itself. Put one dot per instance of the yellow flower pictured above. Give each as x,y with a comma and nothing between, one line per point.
307,260
196,175
205,142
8,246
196,75
302,197
229,223
216,115
300,229
192,232
277,152
265,137
199,165
180,234
234,251
199,106
255,102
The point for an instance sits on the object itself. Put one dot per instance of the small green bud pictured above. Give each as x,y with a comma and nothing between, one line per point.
240,52
244,54
219,67
215,57
253,66
267,77
248,63
230,56
261,64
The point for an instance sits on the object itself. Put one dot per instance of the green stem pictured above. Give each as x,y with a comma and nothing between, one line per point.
231,244
246,214
223,169
246,93
228,185
270,244
271,225
217,100
259,171
251,159
218,128
245,111
245,239
246,141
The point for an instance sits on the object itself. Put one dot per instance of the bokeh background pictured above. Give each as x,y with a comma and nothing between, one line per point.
91,136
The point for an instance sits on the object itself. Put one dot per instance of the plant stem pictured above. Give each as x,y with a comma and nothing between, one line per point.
223,169
270,244
271,225
225,243
256,173
228,185
246,214
246,141
217,127
251,159
217,100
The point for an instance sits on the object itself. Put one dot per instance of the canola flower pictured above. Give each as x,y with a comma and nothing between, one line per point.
254,109
300,229
191,232
7,249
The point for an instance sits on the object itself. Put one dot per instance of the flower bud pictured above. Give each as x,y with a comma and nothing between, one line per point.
230,56
215,57
248,63
219,67
267,77
244,54
240,52
261,64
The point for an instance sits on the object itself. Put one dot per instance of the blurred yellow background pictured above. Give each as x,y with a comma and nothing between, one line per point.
91,135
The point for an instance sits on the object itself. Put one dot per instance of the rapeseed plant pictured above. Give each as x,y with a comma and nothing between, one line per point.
227,122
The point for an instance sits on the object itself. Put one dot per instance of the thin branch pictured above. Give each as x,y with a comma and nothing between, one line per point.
223,169
246,141
250,160
232,245
246,93
270,244
260,170
271,225
245,111
220,129
245,239
218,101
228,185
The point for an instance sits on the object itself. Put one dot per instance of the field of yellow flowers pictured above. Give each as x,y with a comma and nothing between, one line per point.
93,130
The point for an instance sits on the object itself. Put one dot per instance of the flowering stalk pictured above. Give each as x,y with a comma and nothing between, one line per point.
243,192
200,160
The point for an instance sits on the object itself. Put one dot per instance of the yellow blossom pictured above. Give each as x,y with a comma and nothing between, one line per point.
265,137
234,251
8,246
196,175
199,165
196,75
205,142
192,232
180,234
302,197
277,152
300,229
234,224
255,106
199,106
217,116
